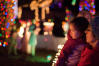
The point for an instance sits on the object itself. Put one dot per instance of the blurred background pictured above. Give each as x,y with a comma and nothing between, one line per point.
33,32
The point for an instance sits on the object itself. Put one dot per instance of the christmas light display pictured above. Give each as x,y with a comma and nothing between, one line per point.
87,5
48,27
60,46
7,19
44,5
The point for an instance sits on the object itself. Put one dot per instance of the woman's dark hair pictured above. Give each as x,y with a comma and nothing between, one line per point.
81,24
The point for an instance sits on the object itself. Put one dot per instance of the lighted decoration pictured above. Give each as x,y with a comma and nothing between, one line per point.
49,58
57,54
19,12
7,18
34,6
44,5
87,5
65,24
65,27
68,16
48,27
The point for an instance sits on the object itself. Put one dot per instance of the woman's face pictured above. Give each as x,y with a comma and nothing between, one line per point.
73,32
89,35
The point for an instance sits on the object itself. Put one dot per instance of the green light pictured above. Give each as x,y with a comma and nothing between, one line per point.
14,22
37,59
49,57
73,2
0,34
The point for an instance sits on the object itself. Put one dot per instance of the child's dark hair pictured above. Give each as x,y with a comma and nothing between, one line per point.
81,24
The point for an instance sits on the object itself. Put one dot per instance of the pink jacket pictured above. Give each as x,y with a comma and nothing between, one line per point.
68,49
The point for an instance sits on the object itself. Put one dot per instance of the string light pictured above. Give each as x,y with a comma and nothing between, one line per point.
87,5
7,18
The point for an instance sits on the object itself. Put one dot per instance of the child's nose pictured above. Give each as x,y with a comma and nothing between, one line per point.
86,31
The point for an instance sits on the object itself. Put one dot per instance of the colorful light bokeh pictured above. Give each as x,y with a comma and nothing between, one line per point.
7,18
87,5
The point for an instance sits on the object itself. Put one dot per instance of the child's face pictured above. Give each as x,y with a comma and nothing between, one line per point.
73,32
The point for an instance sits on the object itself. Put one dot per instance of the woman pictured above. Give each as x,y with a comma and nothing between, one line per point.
90,55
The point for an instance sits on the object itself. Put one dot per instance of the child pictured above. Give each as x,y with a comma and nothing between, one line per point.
70,53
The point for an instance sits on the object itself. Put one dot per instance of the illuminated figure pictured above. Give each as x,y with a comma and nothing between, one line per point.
33,39
43,4
34,29
13,43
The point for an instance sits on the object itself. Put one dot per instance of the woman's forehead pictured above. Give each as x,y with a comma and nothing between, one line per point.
89,27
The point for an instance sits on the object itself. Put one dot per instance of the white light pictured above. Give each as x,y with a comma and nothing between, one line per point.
60,46
57,54
45,33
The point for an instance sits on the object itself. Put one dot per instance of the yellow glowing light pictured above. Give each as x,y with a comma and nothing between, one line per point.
7,36
48,24
3,17
19,12
4,42
45,33
1,28
50,32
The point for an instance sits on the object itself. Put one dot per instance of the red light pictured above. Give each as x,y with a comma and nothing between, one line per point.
2,20
6,43
4,28
5,32
7,15
1,4
9,0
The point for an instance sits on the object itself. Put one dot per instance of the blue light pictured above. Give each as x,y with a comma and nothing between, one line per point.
80,9
86,8
13,7
88,5
4,45
7,25
5,13
93,6
3,6
11,19
14,2
86,2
